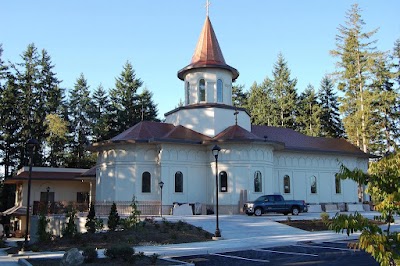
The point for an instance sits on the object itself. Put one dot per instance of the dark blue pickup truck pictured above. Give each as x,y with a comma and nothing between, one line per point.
274,203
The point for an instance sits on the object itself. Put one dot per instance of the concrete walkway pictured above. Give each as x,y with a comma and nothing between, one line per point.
238,232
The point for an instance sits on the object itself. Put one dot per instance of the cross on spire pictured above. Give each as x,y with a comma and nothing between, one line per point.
207,7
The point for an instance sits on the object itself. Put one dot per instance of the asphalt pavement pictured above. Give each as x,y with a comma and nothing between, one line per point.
239,232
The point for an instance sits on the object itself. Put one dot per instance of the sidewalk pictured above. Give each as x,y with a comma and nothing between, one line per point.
238,232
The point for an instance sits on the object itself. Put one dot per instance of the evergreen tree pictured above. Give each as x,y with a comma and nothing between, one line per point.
261,105
356,53
396,58
284,90
308,118
331,124
91,219
148,110
239,96
10,125
101,115
80,126
385,115
113,218
29,104
125,101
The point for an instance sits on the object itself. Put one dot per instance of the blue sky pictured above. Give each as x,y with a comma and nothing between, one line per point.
158,37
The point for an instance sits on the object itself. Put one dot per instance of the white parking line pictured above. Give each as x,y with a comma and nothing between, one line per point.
285,252
311,246
239,258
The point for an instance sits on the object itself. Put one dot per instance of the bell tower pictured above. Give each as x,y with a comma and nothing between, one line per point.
208,81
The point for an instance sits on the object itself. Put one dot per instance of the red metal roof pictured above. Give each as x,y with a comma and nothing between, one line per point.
208,53
281,138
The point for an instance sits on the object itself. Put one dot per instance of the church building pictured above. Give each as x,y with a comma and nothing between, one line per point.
254,160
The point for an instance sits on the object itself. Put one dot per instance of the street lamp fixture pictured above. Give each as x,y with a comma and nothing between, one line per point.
215,151
31,144
161,184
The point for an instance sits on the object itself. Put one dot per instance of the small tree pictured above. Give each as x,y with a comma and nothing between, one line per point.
70,230
383,182
134,218
113,218
42,226
91,219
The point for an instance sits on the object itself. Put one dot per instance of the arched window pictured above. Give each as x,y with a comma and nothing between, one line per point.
219,91
286,184
223,182
257,182
187,92
202,90
313,184
178,182
338,185
146,182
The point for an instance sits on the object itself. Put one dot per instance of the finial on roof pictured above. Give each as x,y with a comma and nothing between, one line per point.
236,115
207,7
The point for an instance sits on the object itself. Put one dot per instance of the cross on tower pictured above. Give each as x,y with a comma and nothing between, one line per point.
236,115
207,7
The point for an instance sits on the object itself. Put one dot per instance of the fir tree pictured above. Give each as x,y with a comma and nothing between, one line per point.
124,99
284,90
113,218
91,219
80,125
239,96
309,113
148,110
356,54
331,124
385,115
101,115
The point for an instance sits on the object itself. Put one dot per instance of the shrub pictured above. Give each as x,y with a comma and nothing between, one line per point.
154,258
99,224
70,230
91,219
113,218
125,252
41,230
324,217
89,254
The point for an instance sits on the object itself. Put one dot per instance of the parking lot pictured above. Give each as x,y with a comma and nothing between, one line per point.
306,253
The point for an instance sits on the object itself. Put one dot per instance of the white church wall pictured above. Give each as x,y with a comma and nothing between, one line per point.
300,167
193,162
208,121
121,169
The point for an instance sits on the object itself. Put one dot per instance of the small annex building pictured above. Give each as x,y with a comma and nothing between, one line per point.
254,160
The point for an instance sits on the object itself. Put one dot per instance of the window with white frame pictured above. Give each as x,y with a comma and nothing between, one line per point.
146,182
202,90
313,184
178,182
219,91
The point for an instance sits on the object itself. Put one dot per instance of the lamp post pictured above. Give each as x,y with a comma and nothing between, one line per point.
47,200
31,145
161,184
215,151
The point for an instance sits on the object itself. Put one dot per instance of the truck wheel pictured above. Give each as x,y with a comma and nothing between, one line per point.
258,212
295,211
